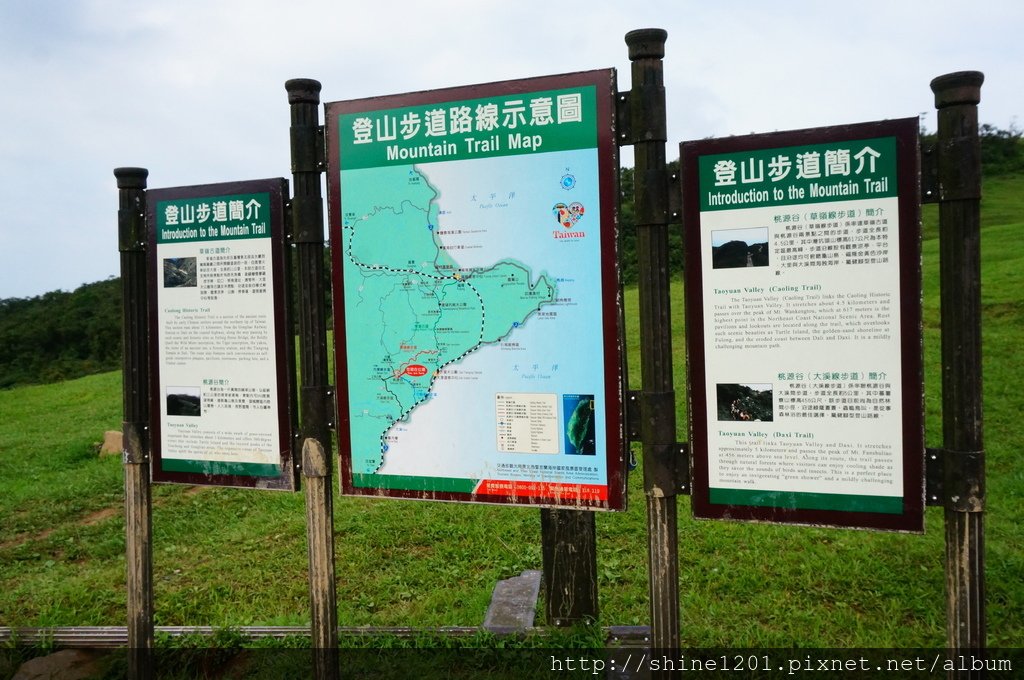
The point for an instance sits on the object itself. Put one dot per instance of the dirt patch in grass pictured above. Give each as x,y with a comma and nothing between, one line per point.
93,518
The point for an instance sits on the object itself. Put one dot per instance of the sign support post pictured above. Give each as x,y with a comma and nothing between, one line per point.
658,429
307,224
569,556
549,431
959,170
131,222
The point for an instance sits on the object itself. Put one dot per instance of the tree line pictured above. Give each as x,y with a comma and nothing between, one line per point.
60,335
63,335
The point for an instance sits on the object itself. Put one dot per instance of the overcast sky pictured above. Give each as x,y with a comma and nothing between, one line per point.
193,90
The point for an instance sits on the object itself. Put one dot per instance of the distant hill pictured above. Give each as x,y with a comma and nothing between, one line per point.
60,335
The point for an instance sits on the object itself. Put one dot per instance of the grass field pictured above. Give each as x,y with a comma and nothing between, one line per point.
227,557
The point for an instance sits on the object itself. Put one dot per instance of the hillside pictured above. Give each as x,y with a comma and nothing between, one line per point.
59,335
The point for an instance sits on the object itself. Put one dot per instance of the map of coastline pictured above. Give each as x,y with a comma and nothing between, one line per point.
412,310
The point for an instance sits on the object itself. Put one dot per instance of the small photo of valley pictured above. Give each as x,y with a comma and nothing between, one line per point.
745,402
184,401
736,248
180,272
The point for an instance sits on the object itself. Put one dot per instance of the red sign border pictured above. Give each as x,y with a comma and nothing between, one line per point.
905,132
613,324
284,342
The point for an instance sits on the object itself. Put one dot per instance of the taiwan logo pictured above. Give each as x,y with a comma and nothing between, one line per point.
568,215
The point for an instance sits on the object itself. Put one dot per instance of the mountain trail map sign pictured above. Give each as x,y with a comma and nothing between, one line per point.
477,303
803,316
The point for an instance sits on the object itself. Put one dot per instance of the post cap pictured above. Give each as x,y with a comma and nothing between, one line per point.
646,43
962,87
131,178
303,91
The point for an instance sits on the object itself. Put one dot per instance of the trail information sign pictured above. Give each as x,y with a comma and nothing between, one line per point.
477,303
221,399
803,313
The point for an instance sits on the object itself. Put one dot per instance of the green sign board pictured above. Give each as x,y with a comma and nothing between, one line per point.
221,401
803,326
814,173
499,125
214,218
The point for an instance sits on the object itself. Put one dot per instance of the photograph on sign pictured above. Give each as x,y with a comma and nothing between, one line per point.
477,306
803,316
221,399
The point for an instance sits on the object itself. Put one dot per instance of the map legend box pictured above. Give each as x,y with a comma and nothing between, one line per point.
526,423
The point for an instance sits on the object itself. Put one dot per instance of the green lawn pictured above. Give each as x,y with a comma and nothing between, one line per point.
228,557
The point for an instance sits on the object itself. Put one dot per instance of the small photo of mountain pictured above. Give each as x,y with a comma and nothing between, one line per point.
745,402
735,248
184,401
180,272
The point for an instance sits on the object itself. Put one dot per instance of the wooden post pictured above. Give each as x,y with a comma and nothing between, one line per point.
307,234
658,425
959,171
569,557
316,468
131,223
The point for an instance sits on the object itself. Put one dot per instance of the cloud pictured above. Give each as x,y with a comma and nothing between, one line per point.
194,90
